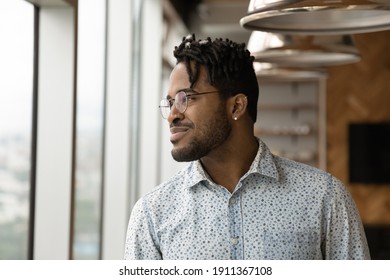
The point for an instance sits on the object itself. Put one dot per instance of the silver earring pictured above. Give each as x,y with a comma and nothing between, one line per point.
235,118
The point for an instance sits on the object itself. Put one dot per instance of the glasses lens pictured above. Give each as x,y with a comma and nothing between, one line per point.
181,101
165,108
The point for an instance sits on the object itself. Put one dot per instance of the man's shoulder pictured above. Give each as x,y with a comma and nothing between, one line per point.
299,168
170,192
176,183
304,175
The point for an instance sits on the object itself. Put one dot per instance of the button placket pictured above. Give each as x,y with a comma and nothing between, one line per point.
235,226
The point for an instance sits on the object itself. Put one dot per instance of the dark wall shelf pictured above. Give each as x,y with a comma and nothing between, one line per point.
378,238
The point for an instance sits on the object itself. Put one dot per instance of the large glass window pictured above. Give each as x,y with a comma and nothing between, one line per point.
16,91
90,124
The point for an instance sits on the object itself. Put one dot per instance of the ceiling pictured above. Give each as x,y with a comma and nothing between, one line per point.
214,18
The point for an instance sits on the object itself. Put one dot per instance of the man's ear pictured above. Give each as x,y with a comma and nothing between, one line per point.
239,103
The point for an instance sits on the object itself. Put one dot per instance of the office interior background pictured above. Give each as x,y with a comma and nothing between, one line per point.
81,137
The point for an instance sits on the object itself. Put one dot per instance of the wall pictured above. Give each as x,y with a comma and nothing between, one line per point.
360,92
289,118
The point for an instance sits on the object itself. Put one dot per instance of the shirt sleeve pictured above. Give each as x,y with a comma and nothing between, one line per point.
140,244
345,237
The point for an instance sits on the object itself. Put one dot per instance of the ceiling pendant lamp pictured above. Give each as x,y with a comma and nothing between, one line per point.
288,50
266,72
317,16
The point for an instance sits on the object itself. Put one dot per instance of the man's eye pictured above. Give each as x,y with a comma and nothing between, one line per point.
181,98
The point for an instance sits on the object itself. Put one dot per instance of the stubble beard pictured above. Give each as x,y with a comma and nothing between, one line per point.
210,136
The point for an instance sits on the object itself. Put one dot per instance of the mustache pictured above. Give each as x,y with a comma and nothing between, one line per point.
177,123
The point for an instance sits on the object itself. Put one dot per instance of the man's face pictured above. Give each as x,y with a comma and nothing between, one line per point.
204,126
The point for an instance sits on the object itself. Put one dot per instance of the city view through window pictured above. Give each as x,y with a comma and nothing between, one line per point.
16,88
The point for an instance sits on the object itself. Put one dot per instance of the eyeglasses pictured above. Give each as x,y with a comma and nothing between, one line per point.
180,101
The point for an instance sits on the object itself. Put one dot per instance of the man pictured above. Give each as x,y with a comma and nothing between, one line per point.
235,200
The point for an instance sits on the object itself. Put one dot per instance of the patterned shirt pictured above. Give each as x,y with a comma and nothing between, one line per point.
280,209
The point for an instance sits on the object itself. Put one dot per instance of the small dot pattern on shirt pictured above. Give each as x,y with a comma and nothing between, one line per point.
280,209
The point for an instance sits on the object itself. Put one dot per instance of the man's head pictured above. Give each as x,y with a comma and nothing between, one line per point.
212,90
229,67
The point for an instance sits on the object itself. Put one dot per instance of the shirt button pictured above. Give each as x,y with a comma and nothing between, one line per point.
232,200
234,241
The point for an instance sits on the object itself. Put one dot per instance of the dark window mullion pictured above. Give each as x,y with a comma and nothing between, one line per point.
34,133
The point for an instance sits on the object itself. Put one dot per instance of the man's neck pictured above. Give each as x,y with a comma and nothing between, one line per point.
228,164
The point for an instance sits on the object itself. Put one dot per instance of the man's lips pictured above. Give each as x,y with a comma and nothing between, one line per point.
177,132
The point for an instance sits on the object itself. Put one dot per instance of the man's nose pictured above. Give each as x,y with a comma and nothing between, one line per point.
174,114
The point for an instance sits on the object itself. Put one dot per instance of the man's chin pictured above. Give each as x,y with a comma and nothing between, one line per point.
179,157
184,155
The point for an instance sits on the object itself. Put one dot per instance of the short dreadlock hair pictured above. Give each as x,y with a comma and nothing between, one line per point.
229,67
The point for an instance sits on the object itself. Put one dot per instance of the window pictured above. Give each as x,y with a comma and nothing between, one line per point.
16,93
90,124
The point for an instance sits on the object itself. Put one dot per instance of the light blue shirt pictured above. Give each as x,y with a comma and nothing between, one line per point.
280,209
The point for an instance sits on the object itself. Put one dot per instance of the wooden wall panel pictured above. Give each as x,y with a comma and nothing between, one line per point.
360,92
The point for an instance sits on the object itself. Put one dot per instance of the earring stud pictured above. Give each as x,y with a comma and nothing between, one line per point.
235,118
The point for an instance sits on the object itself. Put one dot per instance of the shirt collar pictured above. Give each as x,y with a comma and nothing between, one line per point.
263,164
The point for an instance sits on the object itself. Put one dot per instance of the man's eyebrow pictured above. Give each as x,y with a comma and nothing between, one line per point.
182,89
